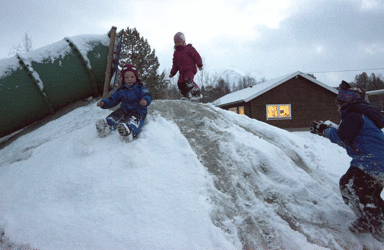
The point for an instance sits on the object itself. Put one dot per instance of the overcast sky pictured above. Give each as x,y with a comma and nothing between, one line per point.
267,38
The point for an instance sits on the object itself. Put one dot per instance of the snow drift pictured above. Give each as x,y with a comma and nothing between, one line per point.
197,177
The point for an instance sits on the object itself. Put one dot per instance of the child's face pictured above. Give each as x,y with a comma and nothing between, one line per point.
129,78
180,43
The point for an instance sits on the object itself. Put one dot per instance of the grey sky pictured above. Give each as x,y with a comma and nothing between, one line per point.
267,38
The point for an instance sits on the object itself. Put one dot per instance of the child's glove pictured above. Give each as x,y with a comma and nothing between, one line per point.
100,104
318,128
170,75
143,103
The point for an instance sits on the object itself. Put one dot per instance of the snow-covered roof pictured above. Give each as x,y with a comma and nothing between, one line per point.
247,94
375,92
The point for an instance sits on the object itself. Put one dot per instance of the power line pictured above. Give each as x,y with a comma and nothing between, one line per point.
346,70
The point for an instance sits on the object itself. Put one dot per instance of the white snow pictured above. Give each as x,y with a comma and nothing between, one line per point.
50,53
58,50
93,193
197,177
8,65
85,43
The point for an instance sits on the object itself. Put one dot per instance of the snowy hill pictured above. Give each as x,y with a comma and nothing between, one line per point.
233,75
197,177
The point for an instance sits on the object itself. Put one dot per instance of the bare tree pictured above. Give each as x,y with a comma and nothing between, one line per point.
27,42
245,82
201,75
205,78
24,46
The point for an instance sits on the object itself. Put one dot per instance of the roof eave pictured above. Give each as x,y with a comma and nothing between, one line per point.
229,103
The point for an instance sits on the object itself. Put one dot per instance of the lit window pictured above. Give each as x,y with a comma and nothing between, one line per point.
241,110
278,111
237,110
233,109
272,111
284,111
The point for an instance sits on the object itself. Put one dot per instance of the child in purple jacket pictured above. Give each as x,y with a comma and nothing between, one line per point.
185,60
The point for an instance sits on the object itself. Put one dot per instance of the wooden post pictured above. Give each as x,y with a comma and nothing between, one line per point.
108,71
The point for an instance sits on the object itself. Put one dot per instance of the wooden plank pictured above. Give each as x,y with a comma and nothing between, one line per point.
108,71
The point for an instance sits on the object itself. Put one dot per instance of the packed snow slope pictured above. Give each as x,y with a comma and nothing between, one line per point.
197,177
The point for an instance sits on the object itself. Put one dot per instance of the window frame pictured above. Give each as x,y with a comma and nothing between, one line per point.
278,112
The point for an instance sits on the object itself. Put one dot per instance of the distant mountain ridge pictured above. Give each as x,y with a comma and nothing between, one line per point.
234,75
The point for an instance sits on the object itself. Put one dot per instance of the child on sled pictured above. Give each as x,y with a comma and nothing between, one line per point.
134,98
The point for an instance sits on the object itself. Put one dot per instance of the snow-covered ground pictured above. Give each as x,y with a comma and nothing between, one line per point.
197,177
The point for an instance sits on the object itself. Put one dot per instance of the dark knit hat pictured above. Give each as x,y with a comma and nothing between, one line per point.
347,93
129,67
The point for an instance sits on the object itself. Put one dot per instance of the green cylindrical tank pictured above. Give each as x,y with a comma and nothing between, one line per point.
36,84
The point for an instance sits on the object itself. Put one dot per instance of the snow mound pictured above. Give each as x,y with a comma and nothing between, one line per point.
273,189
197,177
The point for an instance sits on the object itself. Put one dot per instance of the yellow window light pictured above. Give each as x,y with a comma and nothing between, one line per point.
272,111
241,110
284,111
233,109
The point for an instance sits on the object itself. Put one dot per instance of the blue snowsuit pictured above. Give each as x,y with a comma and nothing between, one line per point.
130,112
360,134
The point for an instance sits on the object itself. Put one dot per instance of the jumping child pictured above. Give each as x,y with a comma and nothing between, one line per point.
185,60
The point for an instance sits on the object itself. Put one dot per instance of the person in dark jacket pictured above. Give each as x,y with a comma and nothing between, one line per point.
185,60
134,98
360,133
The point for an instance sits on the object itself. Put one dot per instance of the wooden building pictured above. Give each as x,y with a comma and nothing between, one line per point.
290,102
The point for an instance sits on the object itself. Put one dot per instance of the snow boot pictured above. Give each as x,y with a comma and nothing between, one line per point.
125,132
359,226
102,128
193,88
196,98
189,84
186,97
